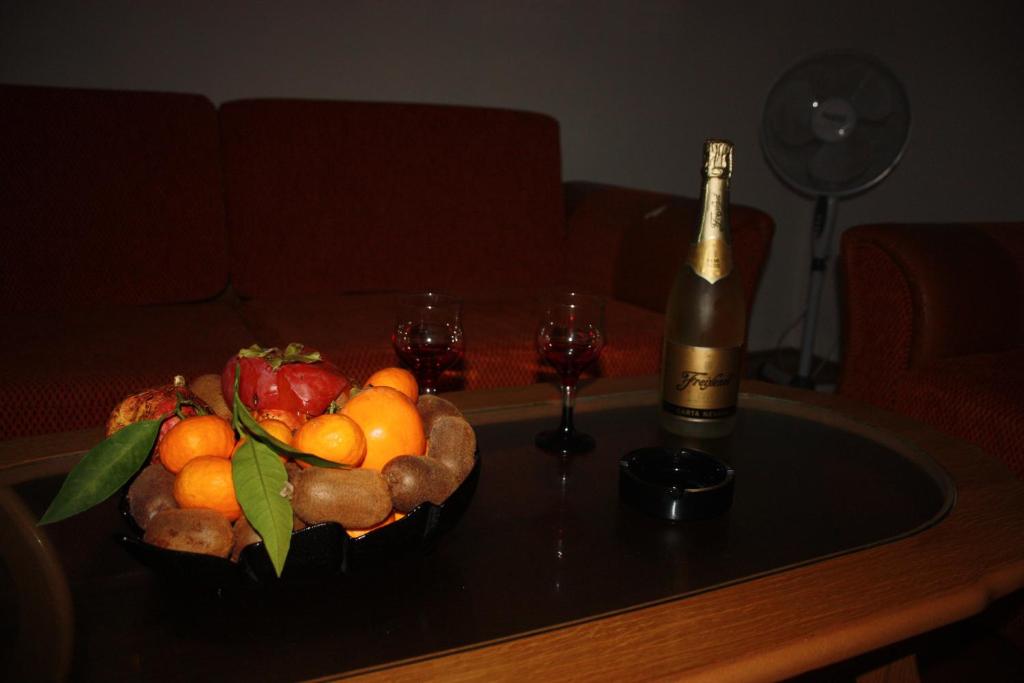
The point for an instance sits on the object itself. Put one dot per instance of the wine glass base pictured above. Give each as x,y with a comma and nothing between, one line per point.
557,441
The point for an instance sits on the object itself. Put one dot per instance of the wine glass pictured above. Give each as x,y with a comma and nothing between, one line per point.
428,335
570,337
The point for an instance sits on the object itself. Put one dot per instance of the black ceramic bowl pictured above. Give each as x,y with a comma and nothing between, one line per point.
319,550
676,484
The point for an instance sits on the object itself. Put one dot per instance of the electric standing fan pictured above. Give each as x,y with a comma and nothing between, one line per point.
834,125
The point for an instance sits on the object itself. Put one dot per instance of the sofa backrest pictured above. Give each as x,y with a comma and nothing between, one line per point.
108,197
628,243
332,196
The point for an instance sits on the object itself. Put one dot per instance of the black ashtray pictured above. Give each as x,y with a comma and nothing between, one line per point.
676,483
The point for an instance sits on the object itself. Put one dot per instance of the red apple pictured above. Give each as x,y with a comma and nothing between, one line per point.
296,380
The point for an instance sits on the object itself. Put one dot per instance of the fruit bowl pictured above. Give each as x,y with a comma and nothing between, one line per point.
310,476
320,550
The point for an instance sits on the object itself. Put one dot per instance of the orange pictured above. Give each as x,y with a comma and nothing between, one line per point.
292,420
277,429
205,482
193,437
396,378
391,423
333,437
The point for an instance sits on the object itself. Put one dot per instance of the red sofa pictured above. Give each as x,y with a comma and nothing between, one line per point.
934,328
152,234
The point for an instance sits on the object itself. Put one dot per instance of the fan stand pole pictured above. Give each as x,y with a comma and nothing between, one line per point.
824,225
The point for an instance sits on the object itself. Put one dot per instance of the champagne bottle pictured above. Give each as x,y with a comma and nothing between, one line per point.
705,321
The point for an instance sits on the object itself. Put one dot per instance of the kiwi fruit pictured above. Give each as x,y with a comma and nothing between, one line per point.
414,479
354,498
453,442
431,407
151,492
207,388
245,535
195,530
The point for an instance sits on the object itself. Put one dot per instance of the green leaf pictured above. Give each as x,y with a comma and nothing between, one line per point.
103,470
181,402
256,351
296,353
260,486
275,357
237,407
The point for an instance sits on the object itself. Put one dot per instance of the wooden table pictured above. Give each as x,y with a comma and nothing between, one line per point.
765,628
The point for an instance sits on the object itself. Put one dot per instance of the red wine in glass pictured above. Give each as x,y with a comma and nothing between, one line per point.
569,358
570,337
427,336
427,350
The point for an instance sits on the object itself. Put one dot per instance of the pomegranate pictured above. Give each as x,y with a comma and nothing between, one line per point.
151,404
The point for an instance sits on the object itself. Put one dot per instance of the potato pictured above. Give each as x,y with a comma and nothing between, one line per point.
207,388
453,442
431,407
151,492
414,479
196,530
354,498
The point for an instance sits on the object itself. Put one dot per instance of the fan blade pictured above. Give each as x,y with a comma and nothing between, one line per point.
838,163
819,78
789,113
873,97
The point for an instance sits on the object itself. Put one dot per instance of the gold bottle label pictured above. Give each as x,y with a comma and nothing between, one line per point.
711,259
700,382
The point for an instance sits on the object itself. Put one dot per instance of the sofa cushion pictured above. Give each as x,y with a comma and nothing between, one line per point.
67,370
109,198
329,197
355,332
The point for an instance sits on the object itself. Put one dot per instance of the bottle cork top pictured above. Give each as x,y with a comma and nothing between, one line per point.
717,158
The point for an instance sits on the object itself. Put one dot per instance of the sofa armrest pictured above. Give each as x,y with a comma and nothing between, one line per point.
628,243
963,282
914,294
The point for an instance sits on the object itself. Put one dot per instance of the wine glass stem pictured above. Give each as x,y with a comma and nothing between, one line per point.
428,382
568,402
